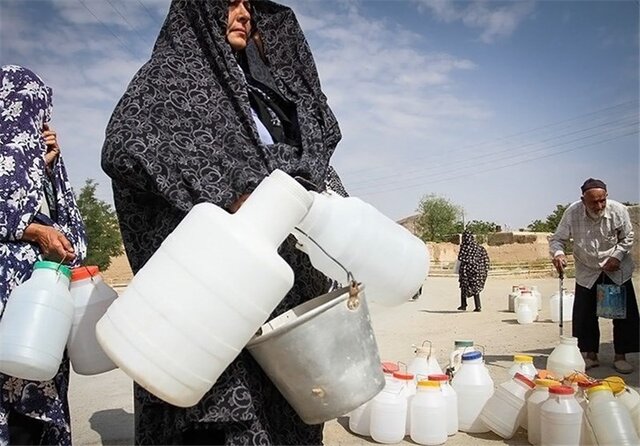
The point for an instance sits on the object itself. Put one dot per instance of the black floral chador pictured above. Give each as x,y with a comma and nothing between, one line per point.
183,133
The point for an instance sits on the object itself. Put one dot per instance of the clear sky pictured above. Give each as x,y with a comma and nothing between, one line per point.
504,108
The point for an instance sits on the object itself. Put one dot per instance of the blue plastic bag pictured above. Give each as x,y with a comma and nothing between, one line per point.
612,301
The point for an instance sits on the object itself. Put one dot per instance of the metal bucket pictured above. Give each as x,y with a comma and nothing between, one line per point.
322,355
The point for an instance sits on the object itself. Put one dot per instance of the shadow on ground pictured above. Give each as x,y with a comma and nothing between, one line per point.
113,421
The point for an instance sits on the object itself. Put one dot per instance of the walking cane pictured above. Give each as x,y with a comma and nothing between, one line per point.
561,275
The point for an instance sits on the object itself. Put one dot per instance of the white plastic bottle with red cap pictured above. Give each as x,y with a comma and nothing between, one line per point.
428,414
539,395
360,418
451,399
389,413
474,387
560,418
506,408
91,298
35,324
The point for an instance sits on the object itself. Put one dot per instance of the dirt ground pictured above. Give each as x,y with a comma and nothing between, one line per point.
102,407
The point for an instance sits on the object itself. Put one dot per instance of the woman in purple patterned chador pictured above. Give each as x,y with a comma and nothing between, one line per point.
214,111
39,219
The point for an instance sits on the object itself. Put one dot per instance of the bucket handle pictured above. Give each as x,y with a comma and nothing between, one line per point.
354,299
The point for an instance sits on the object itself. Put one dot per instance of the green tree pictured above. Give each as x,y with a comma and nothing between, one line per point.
437,218
482,227
552,221
103,233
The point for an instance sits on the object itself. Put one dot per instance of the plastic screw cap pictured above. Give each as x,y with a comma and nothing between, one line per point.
616,383
523,358
522,378
403,376
428,383
547,383
438,377
46,264
561,390
598,388
471,356
84,272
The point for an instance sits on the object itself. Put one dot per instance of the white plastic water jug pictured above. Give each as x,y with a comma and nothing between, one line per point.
451,398
587,436
567,306
504,411
389,414
560,418
526,308
474,387
523,364
460,346
424,363
392,262
203,294
610,418
565,359
428,414
91,298
538,396
536,293
408,390
511,299
629,397
36,322
360,418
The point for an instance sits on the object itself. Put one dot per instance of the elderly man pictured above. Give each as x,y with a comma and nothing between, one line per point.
602,238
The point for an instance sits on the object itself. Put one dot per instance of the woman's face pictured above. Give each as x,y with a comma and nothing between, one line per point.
239,24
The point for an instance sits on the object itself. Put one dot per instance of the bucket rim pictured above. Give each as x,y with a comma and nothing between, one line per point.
332,299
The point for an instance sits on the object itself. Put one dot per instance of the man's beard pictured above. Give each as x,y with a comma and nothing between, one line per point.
595,215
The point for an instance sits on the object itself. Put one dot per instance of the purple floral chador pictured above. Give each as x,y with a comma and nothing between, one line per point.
25,106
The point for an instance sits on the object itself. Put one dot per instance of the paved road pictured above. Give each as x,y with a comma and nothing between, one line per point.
102,408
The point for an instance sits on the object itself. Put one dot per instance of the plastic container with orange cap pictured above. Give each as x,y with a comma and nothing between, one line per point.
91,297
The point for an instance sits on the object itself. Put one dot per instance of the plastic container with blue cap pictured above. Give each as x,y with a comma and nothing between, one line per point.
474,387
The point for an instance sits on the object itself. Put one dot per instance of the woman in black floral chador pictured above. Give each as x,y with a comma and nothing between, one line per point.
205,120
39,219
474,267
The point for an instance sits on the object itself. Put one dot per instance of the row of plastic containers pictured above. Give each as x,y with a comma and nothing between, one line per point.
429,409
526,303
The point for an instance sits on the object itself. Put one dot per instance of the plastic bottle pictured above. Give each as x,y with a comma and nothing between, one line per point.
428,414
587,436
565,359
360,418
538,396
203,294
460,346
523,364
91,298
567,306
526,308
389,414
392,262
474,387
506,408
424,363
560,418
536,293
627,396
408,390
36,322
451,398
610,418
515,292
